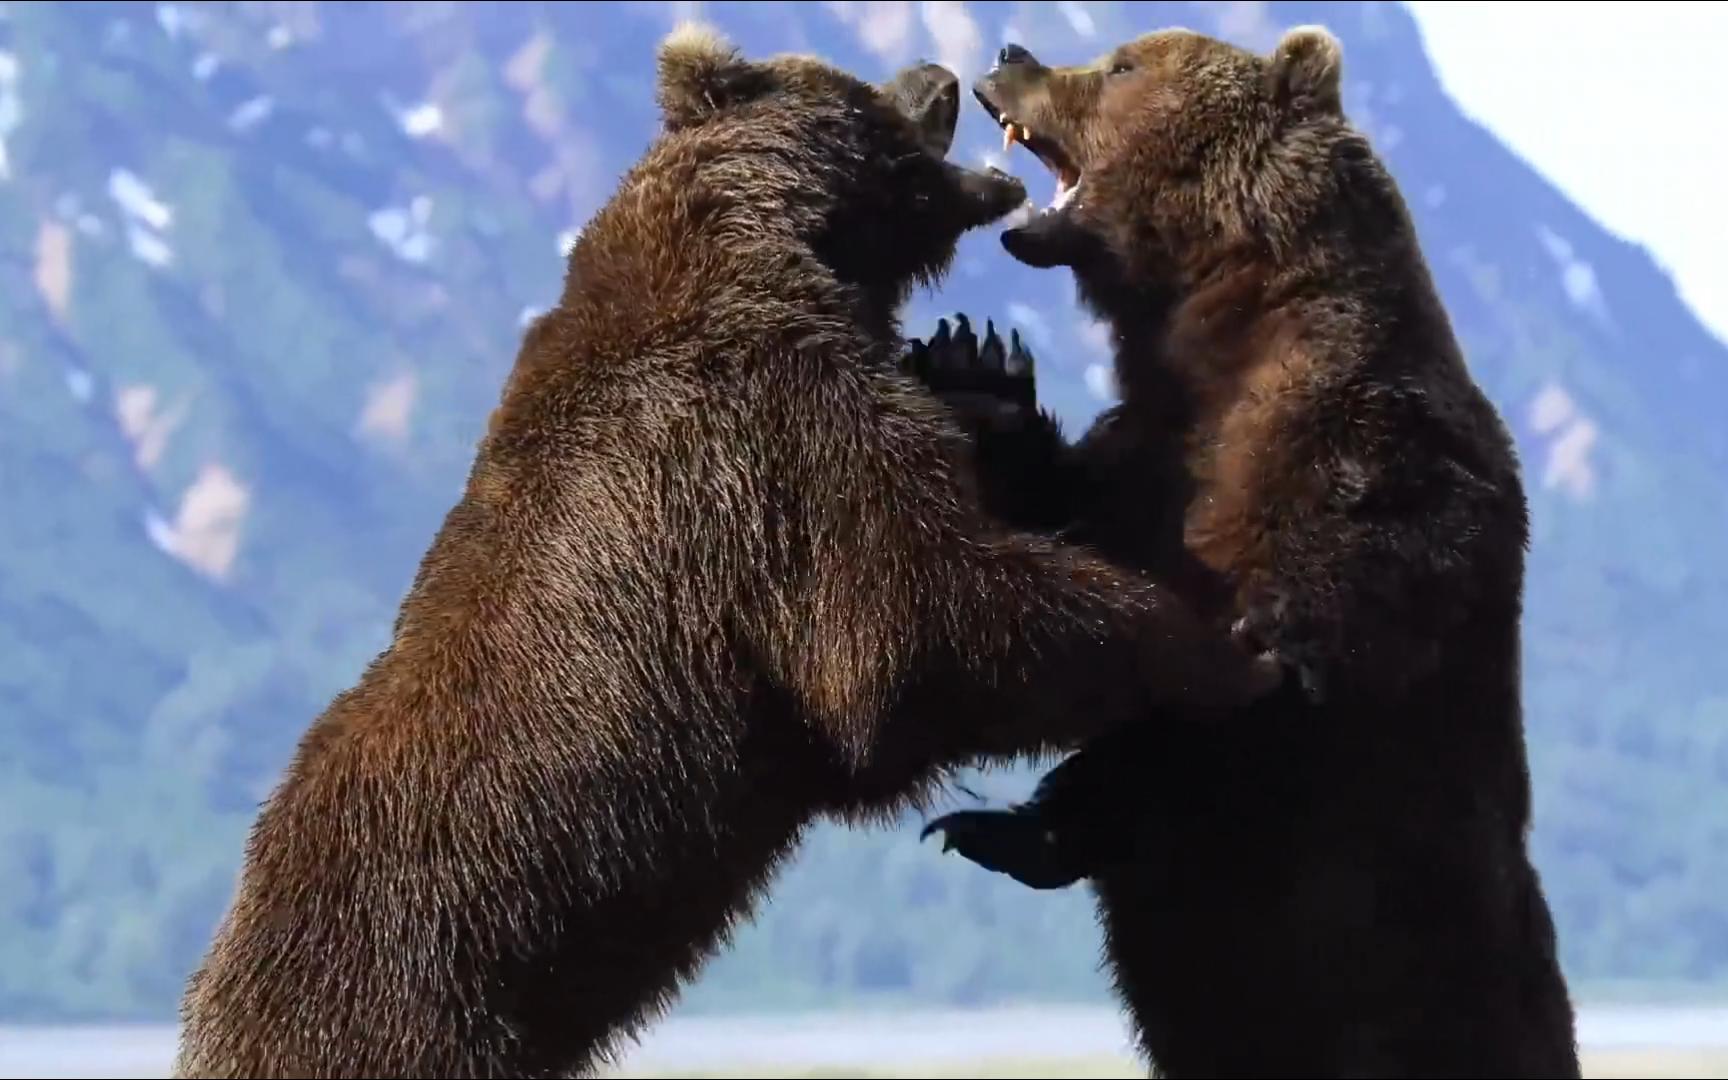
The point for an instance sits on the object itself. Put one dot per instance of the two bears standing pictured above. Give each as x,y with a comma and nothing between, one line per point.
723,568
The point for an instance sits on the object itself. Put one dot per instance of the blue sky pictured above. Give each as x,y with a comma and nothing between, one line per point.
1624,111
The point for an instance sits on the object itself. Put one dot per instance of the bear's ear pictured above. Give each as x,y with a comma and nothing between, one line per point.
1308,69
701,73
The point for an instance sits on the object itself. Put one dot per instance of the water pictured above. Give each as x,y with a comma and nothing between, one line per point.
857,1040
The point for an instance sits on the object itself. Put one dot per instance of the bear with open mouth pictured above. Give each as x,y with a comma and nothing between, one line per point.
1334,880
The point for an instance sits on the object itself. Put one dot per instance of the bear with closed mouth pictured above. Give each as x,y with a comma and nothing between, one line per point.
719,571
1334,880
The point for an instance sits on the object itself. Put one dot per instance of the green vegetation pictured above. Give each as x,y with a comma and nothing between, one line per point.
251,323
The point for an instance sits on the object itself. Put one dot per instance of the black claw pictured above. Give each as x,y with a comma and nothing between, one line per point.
916,359
939,341
991,355
965,341
939,825
957,365
1019,360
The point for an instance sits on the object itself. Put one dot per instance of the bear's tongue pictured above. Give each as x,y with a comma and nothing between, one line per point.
1067,178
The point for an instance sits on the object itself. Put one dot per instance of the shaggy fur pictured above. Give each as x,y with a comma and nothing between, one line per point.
1333,881
718,571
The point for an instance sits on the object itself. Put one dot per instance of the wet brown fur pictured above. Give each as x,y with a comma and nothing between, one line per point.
718,571
1333,883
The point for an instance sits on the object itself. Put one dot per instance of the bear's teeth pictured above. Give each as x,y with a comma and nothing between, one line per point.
1066,189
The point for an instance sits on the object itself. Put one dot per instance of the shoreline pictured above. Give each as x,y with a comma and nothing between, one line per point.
874,1039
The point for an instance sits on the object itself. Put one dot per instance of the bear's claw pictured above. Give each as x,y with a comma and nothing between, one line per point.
957,366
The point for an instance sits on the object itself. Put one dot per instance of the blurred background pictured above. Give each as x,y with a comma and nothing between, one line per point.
263,268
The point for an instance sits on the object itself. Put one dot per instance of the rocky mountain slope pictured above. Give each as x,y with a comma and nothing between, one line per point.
262,271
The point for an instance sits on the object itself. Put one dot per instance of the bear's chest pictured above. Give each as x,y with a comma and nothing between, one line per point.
1233,463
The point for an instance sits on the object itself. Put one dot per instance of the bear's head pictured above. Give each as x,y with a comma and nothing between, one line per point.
1174,148
857,170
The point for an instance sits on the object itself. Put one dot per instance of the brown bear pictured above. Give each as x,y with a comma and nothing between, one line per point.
1333,880
718,571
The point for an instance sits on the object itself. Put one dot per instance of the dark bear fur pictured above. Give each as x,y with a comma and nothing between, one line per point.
1334,880
718,571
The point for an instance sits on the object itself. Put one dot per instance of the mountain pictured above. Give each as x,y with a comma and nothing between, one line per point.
263,268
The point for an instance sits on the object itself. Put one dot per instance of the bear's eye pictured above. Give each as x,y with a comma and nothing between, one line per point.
1121,67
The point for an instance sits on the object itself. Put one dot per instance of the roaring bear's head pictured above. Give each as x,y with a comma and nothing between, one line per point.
1175,144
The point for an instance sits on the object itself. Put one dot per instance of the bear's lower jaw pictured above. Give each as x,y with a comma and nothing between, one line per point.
1039,244
1052,236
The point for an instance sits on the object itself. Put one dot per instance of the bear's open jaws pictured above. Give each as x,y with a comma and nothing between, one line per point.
1045,149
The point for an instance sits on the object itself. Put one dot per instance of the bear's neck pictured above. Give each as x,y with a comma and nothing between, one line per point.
1181,349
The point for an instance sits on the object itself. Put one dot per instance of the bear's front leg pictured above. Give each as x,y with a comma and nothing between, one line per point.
1016,842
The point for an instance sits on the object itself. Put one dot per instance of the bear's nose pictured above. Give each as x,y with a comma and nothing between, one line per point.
1013,54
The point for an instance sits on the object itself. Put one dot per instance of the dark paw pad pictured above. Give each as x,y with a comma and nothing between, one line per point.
959,367
1012,842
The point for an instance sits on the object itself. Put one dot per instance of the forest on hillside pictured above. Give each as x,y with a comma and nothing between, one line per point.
264,266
